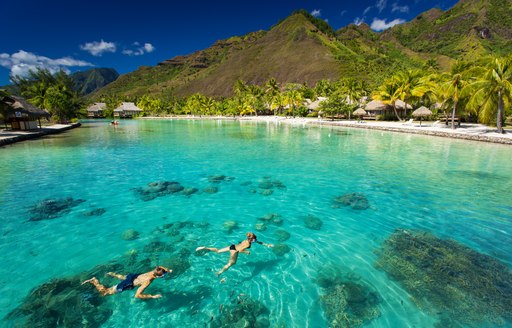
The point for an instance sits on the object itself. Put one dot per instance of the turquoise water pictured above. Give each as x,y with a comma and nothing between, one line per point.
454,189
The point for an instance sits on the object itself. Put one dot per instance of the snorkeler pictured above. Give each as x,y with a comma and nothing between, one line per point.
235,249
130,281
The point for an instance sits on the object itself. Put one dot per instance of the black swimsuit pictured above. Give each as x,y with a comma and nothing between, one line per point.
233,247
127,284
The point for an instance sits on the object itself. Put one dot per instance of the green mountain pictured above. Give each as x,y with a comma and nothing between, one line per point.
93,79
304,49
470,29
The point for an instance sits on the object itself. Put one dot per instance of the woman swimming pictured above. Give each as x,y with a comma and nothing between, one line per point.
235,249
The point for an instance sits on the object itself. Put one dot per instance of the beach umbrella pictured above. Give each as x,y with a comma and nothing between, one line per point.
359,112
422,112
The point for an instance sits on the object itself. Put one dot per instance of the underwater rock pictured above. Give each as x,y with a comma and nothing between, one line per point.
253,191
281,249
230,225
272,218
246,183
130,234
266,192
52,208
189,191
260,226
219,178
242,312
446,278
158,189
282,235
211,190
312,222
61,303
265,184
355,200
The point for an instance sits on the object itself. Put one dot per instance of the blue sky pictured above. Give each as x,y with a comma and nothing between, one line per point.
79,35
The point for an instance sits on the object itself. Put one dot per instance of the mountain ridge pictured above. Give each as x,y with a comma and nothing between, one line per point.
305,49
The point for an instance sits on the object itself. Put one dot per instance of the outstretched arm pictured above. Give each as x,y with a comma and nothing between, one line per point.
141,289
116,275
267,245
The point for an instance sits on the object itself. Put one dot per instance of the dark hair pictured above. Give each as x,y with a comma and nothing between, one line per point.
160,271
251,235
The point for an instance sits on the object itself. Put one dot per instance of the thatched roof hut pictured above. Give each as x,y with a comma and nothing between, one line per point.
23,107
96,110
127,110
375,105
313,105
21,114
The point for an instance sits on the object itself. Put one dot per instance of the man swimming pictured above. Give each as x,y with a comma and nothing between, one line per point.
235,249
130,281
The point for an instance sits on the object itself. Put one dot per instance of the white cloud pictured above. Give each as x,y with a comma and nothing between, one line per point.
140,50
400,9
343,12
316,13
97,48
367,9
21,62
358,21
381,25
381,4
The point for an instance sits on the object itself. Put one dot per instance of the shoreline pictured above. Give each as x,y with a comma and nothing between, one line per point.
8,137
467,131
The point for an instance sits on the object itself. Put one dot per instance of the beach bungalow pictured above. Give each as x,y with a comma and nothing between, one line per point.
21,114
96,110
374,108
127,110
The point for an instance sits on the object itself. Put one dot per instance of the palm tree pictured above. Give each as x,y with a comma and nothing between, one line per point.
389,93
412,85
492,91
293,98
455,82
271,93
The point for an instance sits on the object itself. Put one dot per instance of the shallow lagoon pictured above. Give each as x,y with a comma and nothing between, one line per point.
450,188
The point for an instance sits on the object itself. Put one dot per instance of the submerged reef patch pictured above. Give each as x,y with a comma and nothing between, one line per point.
158,189
266,186
347,300
242,312
52,208
355,200
95,212
312,222
219,178
272,218
281,249
282,235
61,303
445,278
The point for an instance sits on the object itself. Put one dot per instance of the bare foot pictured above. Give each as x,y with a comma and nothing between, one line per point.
223,280
200,248
89,280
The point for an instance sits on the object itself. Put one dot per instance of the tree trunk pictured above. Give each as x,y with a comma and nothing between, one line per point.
396,113
453,114
499,117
